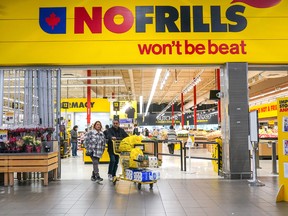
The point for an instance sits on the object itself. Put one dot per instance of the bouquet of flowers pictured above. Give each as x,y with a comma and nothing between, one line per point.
28,140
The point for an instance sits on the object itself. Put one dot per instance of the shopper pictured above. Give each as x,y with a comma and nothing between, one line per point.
95,145
146,132
136,130
106,131
155,133
74,140
171,135
114,133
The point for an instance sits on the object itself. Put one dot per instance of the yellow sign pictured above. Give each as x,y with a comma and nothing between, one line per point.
80,105
128,109
265,110
142,32
283,148
3,135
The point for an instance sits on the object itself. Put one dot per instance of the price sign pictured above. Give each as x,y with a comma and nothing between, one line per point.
3,135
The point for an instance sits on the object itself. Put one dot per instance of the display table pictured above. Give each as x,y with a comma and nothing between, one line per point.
28,162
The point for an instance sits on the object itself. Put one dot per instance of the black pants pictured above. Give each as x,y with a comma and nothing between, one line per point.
171,148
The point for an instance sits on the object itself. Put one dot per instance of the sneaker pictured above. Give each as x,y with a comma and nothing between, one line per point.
93,178
98,178
110,177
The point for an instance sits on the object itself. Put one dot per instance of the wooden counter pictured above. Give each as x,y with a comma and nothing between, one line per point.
28,162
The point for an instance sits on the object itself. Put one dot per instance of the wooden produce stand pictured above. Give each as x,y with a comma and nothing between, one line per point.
4,168
26,163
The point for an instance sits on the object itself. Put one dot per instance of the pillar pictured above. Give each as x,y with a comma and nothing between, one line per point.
235,121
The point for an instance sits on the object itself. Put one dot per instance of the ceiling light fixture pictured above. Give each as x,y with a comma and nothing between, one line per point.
92,85
167,73
141,104
188,88
155,83
92,78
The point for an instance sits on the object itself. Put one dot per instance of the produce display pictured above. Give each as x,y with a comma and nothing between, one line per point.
268,133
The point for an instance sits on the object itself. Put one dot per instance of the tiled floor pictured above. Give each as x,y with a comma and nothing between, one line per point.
199,191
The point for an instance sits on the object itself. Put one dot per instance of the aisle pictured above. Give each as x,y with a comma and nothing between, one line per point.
74,168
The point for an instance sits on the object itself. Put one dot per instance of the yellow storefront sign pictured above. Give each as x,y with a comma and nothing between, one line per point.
80,105
59,32
283,148
265,110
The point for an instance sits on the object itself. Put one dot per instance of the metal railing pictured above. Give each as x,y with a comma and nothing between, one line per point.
203,158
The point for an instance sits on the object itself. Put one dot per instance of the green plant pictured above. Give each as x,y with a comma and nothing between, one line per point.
37,142
28,140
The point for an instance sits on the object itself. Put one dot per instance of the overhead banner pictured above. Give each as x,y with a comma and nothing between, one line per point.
166,119
60,32
265,110
80,105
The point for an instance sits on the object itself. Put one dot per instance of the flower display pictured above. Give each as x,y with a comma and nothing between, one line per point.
28,140
20,138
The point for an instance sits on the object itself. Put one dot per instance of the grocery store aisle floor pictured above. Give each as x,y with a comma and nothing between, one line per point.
198,191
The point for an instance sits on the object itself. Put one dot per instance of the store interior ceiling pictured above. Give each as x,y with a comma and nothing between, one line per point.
265,83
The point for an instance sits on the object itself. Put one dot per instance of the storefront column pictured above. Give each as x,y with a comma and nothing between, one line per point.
235,121
195,107
1,95
88,98
182,111
219,102
172,117
58,116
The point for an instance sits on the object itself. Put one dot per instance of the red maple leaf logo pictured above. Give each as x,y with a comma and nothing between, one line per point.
52,20
259,3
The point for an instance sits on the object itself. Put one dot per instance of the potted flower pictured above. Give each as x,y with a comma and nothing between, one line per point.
19,145
28,141
38,146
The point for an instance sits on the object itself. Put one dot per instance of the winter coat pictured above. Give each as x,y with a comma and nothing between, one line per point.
118,133
95,142
74,136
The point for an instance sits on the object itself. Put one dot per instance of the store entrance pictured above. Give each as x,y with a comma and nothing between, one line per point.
266,84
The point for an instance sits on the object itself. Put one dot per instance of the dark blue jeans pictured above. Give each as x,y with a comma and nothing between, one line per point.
74,148
113,164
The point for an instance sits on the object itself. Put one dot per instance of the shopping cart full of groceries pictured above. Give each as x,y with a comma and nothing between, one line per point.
137,166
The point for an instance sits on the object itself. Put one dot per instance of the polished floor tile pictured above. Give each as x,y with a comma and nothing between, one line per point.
198,191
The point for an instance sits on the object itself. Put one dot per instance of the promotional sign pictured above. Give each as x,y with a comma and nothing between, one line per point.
3,135
9,117
265,110
282,104
80,105
127,110
166,119
59,32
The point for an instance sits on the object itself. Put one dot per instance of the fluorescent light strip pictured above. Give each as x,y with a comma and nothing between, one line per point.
93,85
141,104
92,78
155,83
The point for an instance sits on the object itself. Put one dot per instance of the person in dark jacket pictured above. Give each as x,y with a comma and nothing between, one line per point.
114,133
106,131
74,140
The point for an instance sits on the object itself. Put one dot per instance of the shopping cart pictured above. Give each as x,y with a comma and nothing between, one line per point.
124,157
